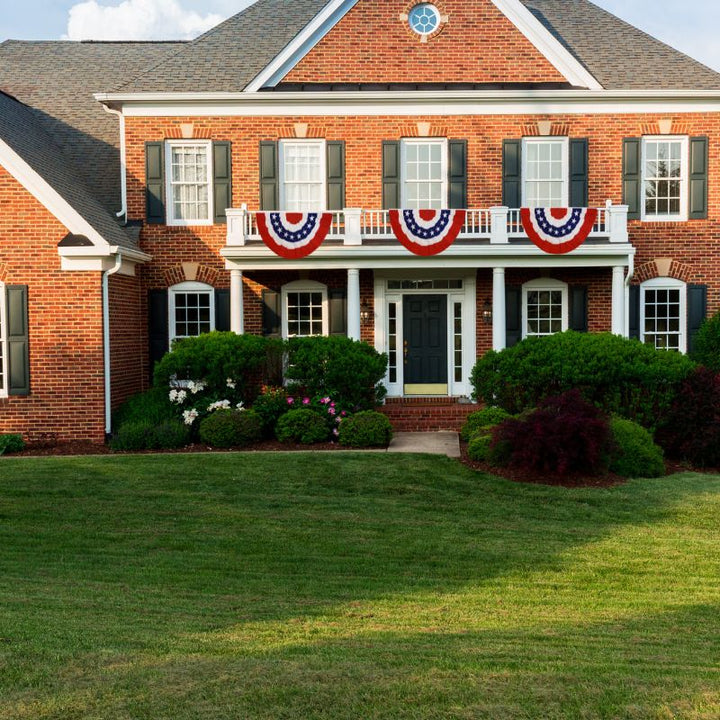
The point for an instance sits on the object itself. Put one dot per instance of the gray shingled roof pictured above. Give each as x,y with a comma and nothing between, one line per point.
228,57
619,55
23,132
58,79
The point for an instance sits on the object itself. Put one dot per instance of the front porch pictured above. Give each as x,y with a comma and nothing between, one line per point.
434,315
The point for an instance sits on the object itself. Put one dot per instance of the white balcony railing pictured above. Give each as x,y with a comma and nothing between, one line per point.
497,225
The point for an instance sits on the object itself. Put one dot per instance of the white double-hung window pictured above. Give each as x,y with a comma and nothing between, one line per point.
545,172
305,309
3,344
665,178
663,314
424,174
303,172
545,307
189,182
191,309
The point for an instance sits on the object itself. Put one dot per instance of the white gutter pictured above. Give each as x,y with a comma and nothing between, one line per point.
106,339
123,158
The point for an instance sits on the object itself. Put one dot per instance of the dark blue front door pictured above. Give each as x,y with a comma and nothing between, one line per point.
425,342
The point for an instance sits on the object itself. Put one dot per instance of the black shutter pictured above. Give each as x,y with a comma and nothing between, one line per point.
18,340
271,313
222,310
269,176
338,311
634,329
512,173
457,174
697,312
579,172
698,209
158,325
155,182
391,174
222,179
632,180
578,308
513,316
335,175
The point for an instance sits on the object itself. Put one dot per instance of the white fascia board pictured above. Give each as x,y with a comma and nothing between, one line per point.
413,103
458,257
45,194
301,45
553,50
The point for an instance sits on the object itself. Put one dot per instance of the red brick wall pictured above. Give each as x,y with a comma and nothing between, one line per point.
371,44
128,338
65,321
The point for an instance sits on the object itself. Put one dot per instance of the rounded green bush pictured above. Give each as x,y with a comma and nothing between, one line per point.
478,448
270,405
634,454
617,375
707,344
11,443
482,420
365,429
170,434
152,406
231,428
302,426
133,435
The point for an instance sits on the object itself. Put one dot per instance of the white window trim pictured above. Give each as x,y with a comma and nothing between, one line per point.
565,143
3,343
550,285
666,283
404,143
684,177
171,219
322,144
187,287
299,286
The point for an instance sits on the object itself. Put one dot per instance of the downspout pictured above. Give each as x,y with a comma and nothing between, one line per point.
123,159
106,339
628,280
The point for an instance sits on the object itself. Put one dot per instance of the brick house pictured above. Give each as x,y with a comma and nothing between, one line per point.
354,108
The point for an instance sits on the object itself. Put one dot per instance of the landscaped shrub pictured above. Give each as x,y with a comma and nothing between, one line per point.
634,454
11,443
222,362
231,428
133,435
691,430
478,448
707,344
270,404
365,429
153,406
566,435
170,434
482,420
302,426
618,375
346,370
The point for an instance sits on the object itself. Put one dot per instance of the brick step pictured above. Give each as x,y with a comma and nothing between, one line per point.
408,415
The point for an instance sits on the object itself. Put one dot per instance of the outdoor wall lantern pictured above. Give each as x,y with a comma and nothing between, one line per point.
487,312
365,313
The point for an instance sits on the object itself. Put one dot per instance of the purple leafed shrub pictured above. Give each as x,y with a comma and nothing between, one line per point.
565,435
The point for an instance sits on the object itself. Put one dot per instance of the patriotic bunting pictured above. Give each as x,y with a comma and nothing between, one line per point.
294,235
558,230
427,232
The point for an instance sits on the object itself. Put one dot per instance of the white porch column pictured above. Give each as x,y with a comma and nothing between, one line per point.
618,301
353,304
237,320
498,306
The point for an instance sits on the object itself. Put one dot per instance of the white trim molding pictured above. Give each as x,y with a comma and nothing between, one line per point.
3,345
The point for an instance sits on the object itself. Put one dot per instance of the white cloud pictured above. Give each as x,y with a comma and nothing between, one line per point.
137,20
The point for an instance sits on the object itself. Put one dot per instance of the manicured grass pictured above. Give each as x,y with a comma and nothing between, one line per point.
351,586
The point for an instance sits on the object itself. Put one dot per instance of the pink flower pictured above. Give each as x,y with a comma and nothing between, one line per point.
331,410
325,401
335,432
290,401
332,404
306,401
343,413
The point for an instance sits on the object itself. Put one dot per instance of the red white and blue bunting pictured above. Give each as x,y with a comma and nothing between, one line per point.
558,230
427,232
294,235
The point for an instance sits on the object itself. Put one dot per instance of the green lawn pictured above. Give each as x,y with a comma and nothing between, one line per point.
351,586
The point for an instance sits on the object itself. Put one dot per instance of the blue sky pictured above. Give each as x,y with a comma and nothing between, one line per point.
690,26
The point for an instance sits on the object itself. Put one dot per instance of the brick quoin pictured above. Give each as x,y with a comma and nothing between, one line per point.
65,323
372,44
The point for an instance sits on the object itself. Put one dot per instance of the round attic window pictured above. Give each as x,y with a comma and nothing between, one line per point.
424,19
